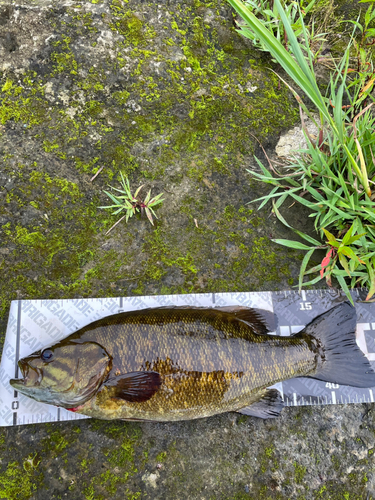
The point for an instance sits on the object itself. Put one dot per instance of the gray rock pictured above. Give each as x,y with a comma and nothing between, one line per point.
295,139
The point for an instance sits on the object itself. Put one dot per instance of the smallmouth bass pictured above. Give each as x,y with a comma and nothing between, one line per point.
180,363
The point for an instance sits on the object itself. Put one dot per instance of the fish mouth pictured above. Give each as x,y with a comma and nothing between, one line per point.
31,376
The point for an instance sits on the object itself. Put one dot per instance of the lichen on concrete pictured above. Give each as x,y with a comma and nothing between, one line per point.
171,96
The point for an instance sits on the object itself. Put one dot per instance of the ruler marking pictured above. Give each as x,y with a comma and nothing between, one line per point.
371,395
18,338
295,398
333,397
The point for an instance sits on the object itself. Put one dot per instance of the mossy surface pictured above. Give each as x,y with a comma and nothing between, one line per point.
171,96
170,102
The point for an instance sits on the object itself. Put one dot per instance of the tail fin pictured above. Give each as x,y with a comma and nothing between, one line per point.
342,360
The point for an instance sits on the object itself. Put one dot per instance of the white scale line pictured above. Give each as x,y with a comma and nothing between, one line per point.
371,395
333,397
295,398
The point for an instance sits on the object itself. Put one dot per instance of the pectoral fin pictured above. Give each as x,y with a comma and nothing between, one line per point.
134,387
269,406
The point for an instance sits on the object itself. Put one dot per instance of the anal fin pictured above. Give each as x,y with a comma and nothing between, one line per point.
269,406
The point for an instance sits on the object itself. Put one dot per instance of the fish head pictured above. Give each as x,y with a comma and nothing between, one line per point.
66,374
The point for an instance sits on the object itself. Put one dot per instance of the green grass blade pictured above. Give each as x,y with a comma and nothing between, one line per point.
307,203
303,267
118,211
313,281
371,273
300,233
344,286
342,214
113,198
292,244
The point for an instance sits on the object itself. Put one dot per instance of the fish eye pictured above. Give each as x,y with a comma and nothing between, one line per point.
47,355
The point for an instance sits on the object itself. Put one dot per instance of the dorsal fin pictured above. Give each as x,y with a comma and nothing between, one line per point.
260,320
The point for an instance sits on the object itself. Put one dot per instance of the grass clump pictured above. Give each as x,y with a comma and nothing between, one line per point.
132,204
334,175
267,12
